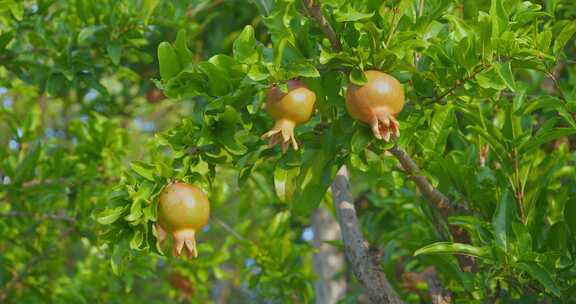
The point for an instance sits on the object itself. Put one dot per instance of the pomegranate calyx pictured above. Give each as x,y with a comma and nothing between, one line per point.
385,126
282,132
184,240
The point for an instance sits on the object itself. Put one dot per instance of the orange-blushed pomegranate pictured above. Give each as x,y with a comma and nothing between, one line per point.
377,103
182,211
288,110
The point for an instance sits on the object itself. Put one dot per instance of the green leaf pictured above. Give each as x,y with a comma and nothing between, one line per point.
168,60
498,18
5,39
505,72
543,40
148,7
460,28
453,248
440,128
184,54
541,275
27,166
284,182
88,33
361,139
218,80
118,257
502,221
423,86
490,79
492,140
110,215
349,14
562,38
570,214
317,171
17,10
114,50
305,70
143,169
543,137
56,84
137,240
245,48
358,77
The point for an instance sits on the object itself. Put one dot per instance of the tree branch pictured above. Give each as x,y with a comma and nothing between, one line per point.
228,228
328,261
46,216
315,12
438,201
365,267
438,295
459,83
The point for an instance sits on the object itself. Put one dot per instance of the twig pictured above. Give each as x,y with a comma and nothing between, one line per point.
46,216
366,269
228,228
518,187
460,82
557,85
315,12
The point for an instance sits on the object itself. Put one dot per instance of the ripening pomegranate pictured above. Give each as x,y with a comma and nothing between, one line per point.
183,210
377,103
288,110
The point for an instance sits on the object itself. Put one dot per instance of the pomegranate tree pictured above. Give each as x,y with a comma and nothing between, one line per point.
377,103
183,210
288,110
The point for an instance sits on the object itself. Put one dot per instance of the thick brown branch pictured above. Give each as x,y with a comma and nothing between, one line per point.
365,267
315,12
439,202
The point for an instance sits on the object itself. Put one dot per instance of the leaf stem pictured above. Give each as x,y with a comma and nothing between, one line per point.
228,228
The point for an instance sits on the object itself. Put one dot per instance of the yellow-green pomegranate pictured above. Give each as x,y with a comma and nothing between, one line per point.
183,210
377,103
288,110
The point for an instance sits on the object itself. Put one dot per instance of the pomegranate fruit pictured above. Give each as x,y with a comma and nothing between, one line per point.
377,103
183,210
288,110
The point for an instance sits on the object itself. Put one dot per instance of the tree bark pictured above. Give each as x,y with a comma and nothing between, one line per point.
439,202
366,268
438,295
328,261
